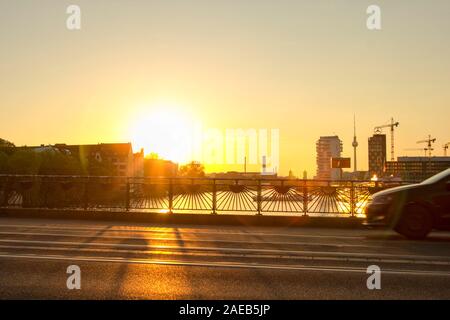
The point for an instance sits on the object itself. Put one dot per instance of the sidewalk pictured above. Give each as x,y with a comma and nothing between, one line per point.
187,218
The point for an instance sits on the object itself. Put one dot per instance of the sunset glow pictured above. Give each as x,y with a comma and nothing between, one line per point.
161,128
213,159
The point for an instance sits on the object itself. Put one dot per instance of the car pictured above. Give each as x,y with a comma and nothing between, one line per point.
413,210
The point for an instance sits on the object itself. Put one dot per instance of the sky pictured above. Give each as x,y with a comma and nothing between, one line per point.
302,67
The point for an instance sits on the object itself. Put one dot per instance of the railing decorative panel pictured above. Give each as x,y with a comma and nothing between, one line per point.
194,195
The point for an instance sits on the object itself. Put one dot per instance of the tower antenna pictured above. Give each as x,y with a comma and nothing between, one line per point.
354,143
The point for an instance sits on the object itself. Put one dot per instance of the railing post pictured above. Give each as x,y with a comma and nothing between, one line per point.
259,197
45,183
85,193
6,191
127,196
352,199
170,195
305,198
214,197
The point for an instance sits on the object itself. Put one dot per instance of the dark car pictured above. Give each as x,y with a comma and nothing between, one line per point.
413,210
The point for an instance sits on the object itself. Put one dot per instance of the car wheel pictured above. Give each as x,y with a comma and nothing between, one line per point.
416,222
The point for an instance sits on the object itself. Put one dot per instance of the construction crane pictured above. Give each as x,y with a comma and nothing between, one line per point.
445,146
392,125
429,142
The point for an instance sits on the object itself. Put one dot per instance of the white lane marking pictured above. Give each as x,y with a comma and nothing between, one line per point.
172,229
232,255
93,236
224,264
231,249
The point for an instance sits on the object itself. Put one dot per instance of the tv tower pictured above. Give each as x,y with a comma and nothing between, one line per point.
354,143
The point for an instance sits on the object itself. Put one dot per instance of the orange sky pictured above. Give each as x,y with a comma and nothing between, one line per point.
301,67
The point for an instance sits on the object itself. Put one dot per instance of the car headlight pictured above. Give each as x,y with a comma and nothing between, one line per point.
385,199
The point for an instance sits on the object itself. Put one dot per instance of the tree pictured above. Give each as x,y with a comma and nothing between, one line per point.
192,169
6,143
56,163
153,155
27,161
3,163
24,162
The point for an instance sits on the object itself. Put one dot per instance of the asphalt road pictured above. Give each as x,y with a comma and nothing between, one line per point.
138,261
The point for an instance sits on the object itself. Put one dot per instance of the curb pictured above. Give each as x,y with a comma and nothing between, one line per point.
186,218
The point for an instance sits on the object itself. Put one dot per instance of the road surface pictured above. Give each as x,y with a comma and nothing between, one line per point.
139,261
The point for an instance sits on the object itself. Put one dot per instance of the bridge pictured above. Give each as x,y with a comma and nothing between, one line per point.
262,196
153,260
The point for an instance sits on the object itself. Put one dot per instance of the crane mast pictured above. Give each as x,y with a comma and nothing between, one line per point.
445,146
429,143
392,125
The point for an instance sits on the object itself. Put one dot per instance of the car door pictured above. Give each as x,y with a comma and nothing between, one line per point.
441,200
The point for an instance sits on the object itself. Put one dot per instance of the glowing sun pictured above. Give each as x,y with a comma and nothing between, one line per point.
165,131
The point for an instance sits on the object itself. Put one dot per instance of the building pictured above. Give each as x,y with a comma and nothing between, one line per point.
377,155
416,168
115,158
242,175
356,175
103,159
138,163
327,147
160,168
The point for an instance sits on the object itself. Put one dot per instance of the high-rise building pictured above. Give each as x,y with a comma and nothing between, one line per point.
328,147
377,154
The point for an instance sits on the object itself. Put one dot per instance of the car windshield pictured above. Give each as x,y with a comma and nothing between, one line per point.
437,177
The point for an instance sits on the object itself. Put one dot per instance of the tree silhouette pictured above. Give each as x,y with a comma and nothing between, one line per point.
4,169
6,143
192,169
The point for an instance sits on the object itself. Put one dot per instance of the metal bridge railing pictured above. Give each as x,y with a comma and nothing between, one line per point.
200,195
